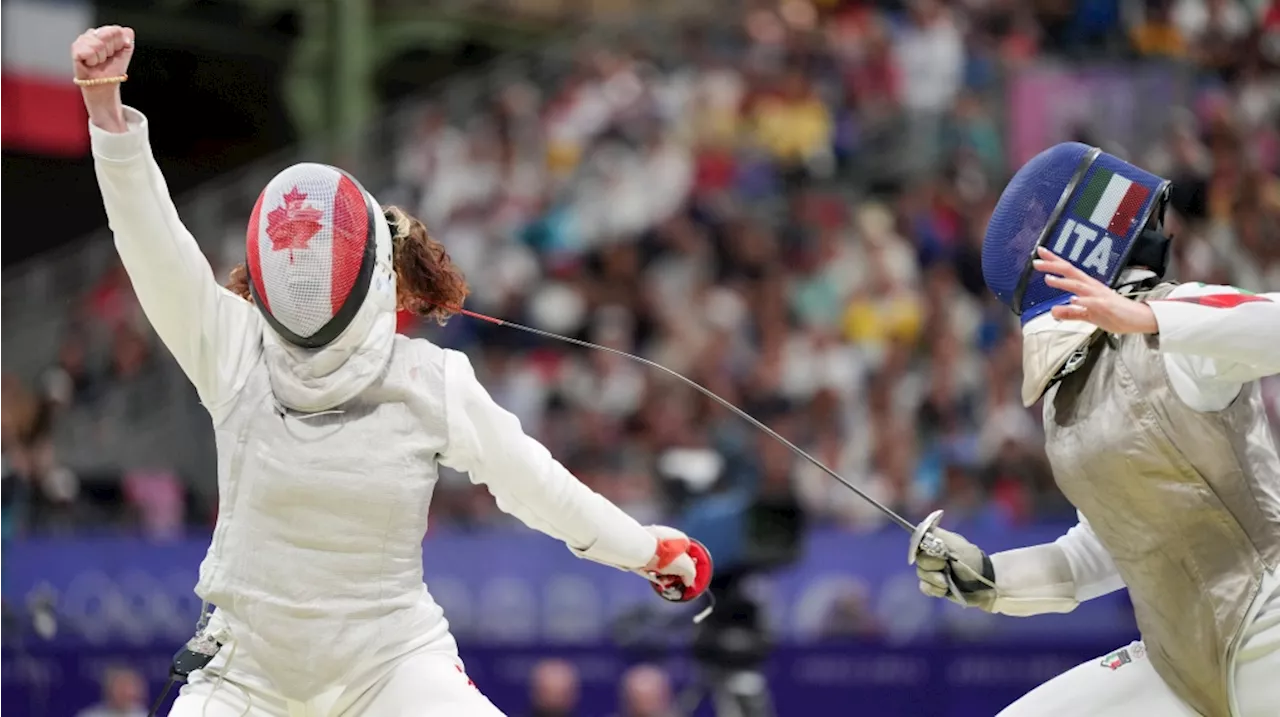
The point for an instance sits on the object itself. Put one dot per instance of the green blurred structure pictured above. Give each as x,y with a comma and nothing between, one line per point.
344,44
340,48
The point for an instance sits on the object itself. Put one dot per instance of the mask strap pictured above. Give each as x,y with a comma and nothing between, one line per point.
1025,278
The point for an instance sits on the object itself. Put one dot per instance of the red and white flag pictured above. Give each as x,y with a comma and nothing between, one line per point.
42,109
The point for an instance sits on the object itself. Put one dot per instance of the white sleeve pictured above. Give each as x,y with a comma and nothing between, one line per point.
1092,569
1033,581
487,442
1226,335
213,334
1054,577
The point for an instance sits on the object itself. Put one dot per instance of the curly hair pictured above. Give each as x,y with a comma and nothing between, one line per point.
427,282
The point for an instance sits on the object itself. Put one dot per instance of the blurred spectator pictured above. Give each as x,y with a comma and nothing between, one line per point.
71,379
124,694
974,130
14,501
851,615
1154,30
1269,40
887,310
40,494
1220,22
111,302
1083,28
794,125
159,500
553,689
788,205
1218,41
130,353
646,692
930,52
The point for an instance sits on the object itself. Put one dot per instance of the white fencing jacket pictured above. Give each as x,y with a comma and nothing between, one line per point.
316,558
1215,339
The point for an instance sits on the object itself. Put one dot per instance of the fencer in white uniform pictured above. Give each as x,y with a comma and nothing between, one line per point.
1156,431
329,429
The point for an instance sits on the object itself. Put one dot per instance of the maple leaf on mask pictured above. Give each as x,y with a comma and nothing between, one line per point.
292,224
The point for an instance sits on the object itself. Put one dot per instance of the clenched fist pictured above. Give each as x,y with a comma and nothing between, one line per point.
101,53
967,578
681,566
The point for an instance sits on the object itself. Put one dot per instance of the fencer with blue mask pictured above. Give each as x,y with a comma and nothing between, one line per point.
1157,433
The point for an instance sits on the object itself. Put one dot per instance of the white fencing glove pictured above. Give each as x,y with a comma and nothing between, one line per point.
680,569
968,578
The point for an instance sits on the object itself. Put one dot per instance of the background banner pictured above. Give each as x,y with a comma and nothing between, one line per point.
1050,104
516,587
851,624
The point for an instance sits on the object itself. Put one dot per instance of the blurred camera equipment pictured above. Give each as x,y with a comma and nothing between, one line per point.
751,532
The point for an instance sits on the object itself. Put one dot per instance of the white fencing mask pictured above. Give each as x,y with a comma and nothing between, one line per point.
313,246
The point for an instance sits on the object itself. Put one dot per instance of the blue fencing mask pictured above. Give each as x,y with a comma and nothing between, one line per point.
1093,209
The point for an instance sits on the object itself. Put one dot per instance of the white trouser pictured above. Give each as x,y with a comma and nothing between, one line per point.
1124,683
426,684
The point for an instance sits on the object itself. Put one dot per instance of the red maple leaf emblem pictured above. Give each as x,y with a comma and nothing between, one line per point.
292,224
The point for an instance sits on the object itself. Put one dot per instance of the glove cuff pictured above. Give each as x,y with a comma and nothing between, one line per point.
1034,580
1031,606
974,585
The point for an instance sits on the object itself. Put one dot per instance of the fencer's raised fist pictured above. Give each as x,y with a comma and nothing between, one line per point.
102,52
968,578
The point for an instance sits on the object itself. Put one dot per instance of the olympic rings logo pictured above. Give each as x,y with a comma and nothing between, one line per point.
134,606
571,609
141,608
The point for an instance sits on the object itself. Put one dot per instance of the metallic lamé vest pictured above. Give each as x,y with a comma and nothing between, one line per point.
1187,503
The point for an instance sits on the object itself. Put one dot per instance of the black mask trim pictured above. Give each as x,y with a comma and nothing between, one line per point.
1024,278
334,327
1153,249
1157,251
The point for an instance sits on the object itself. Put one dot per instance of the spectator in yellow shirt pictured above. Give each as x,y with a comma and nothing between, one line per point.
794,125
1155,34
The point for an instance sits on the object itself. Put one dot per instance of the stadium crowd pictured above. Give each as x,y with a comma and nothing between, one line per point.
789,211
554,691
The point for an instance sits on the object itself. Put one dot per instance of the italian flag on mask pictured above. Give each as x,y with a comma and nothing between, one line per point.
1111,202
42,109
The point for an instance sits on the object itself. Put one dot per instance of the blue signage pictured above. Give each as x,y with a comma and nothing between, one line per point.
852,626
519,588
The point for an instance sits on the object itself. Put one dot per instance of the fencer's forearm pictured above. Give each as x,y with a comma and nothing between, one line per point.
1033,581
488,442
171,278
105,108
1055,577
1223,324
1093,570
